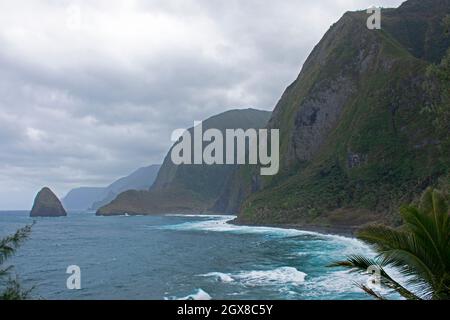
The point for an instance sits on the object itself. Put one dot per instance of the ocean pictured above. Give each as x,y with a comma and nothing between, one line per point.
179,257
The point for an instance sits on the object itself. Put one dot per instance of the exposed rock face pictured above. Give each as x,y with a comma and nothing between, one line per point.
351,126
316,117
47,204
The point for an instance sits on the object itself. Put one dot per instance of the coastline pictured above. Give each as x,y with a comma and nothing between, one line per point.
344,231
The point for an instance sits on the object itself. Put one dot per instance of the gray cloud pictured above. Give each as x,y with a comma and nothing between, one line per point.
84,103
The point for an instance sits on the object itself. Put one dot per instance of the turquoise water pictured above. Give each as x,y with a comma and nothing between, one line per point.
174,257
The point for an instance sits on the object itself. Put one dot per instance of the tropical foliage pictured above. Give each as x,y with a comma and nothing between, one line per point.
438,86
419,251
10,288
446,24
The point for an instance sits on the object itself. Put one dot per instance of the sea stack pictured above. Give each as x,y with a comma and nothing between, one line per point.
47,204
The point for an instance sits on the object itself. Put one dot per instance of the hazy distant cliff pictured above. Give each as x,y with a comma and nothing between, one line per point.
187,188
85,198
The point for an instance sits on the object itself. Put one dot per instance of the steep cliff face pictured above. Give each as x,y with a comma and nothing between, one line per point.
354,142
417,26
47,204
203,179
187,188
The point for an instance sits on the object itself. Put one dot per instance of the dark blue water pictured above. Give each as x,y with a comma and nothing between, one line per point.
172,257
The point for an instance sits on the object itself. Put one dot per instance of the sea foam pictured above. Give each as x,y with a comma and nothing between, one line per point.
277,276
198,295
221,223
219,276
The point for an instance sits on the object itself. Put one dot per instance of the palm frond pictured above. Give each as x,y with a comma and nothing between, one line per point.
9,244
355,263
434,204
14,291
418,257
5,271
422,226
419,250
370,291
359,263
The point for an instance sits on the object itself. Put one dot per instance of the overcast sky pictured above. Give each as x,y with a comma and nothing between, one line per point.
91,90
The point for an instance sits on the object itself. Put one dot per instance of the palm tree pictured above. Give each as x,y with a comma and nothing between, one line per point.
419,250
8,246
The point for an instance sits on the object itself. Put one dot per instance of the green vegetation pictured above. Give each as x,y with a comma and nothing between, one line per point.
370,147
10,288
419,250
438,87
446,24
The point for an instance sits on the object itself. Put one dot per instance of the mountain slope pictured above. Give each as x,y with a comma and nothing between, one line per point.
87,198
187,188
354,143
417,26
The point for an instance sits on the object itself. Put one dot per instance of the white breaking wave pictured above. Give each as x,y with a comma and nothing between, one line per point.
220,277
131,215
278,276
199,295
331,282
335,282
197,215
220,223
343,281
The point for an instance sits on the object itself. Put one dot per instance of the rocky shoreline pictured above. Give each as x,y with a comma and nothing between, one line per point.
345,231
